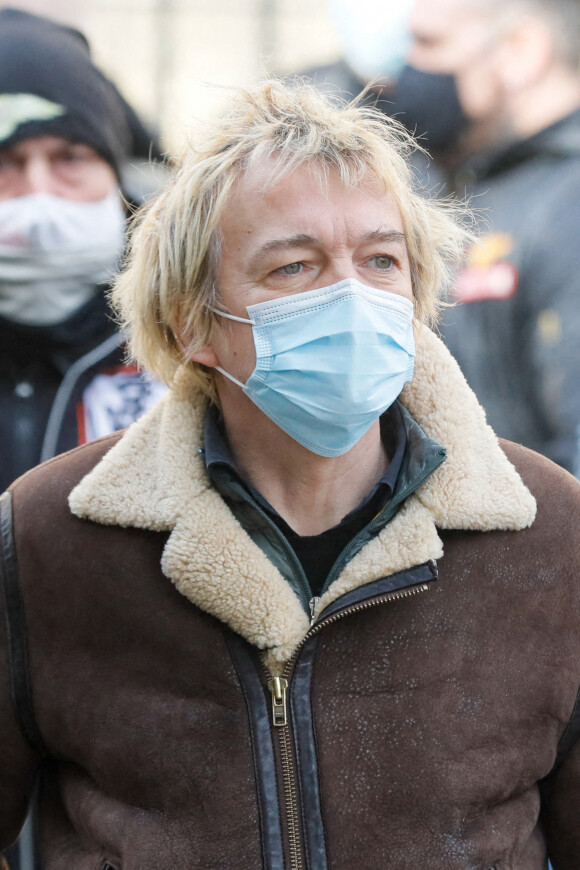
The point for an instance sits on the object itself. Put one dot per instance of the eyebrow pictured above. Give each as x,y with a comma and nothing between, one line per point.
299,240
303,240
388,236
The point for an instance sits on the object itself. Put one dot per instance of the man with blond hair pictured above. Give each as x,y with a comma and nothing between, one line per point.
308,612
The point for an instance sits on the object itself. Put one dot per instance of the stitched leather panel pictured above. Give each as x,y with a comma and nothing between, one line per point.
302,716
409,577
247,665
307,761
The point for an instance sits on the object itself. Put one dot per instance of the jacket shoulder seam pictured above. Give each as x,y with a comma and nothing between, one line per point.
113,438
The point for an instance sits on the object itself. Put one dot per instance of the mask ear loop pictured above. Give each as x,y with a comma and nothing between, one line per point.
233,317
239,320
230,377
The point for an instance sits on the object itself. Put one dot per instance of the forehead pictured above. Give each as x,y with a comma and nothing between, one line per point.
304,202
449,21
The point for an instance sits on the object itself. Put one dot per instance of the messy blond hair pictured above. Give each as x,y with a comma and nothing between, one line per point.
169,283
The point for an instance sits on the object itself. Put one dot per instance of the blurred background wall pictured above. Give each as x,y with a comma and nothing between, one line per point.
173,58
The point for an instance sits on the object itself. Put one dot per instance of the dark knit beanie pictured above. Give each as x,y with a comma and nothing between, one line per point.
49,86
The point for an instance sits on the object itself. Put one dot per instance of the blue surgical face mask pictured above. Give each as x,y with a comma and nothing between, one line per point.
329,362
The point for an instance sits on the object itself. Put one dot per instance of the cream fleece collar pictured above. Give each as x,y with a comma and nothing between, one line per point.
154,478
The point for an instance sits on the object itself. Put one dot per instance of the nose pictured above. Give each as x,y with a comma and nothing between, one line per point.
339,269
38,176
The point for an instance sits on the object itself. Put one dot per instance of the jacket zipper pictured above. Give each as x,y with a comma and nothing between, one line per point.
280,688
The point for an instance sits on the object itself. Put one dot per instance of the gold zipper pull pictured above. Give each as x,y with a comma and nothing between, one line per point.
278,687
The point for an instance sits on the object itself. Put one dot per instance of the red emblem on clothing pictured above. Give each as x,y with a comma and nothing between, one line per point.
497,281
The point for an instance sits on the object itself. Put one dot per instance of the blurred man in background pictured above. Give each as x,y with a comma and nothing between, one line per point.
496,86
66,137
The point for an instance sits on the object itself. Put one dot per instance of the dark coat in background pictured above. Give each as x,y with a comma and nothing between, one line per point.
516,333
63,384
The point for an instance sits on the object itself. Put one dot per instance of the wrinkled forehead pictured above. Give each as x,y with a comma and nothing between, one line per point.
273,201
302,213
296,187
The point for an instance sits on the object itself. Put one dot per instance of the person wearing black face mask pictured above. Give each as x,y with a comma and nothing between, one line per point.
495,89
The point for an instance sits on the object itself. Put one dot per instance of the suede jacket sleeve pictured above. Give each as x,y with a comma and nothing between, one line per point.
561,812
18,759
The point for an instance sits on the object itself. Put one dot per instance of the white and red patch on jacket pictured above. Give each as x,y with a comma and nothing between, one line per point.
488,275
114,399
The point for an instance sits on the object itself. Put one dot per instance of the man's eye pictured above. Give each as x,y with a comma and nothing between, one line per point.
75,154
382,261
290,269
71,157
7,162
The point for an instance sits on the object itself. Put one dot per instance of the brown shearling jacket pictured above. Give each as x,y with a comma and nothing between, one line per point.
181,711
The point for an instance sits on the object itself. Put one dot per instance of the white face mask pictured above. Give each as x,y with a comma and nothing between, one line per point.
54,253
375,36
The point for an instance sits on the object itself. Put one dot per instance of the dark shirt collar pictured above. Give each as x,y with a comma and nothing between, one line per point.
560,139
413,457
219,459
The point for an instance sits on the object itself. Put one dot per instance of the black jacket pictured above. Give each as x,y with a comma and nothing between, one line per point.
61,385
517,333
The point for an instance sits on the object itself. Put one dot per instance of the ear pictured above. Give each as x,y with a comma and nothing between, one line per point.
528,53
205,355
